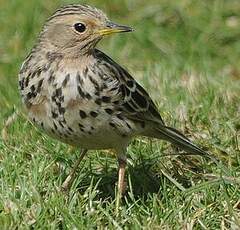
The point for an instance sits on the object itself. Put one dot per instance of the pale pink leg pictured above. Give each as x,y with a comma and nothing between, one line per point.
70,178
122,161
121,176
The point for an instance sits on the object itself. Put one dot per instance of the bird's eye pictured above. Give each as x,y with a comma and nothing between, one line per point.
80,27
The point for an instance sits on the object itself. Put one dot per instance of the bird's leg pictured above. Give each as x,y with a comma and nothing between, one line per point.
70,178
122,161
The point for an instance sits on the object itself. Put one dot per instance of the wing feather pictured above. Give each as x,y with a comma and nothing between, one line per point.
134,102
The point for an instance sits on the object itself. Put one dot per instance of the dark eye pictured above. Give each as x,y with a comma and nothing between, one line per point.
80,27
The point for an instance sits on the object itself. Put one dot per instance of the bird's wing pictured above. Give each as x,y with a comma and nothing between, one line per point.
134,102
136,105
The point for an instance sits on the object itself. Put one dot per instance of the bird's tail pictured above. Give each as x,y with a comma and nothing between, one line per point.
178,139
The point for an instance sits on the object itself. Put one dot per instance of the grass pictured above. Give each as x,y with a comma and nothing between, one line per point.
186,53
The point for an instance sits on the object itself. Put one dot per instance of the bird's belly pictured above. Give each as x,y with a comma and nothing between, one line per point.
88,132
102,138
97,140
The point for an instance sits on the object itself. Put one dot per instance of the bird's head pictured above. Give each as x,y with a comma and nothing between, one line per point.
77,29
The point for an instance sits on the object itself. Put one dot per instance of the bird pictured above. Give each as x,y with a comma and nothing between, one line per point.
79,95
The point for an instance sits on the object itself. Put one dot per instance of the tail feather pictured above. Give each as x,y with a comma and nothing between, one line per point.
178,139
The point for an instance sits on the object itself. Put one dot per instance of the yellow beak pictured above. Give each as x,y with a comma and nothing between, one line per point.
112,28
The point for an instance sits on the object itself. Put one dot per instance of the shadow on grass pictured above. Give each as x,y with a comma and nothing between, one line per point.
140,181
143,179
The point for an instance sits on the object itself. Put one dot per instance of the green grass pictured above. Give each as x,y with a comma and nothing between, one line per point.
186,53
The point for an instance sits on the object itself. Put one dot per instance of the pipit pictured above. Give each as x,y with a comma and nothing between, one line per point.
79,95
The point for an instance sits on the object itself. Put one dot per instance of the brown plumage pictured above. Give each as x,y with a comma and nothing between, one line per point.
80,96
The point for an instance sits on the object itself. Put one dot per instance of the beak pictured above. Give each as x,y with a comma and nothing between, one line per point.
112,28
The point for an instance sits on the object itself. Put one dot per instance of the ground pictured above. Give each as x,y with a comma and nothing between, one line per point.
186,54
